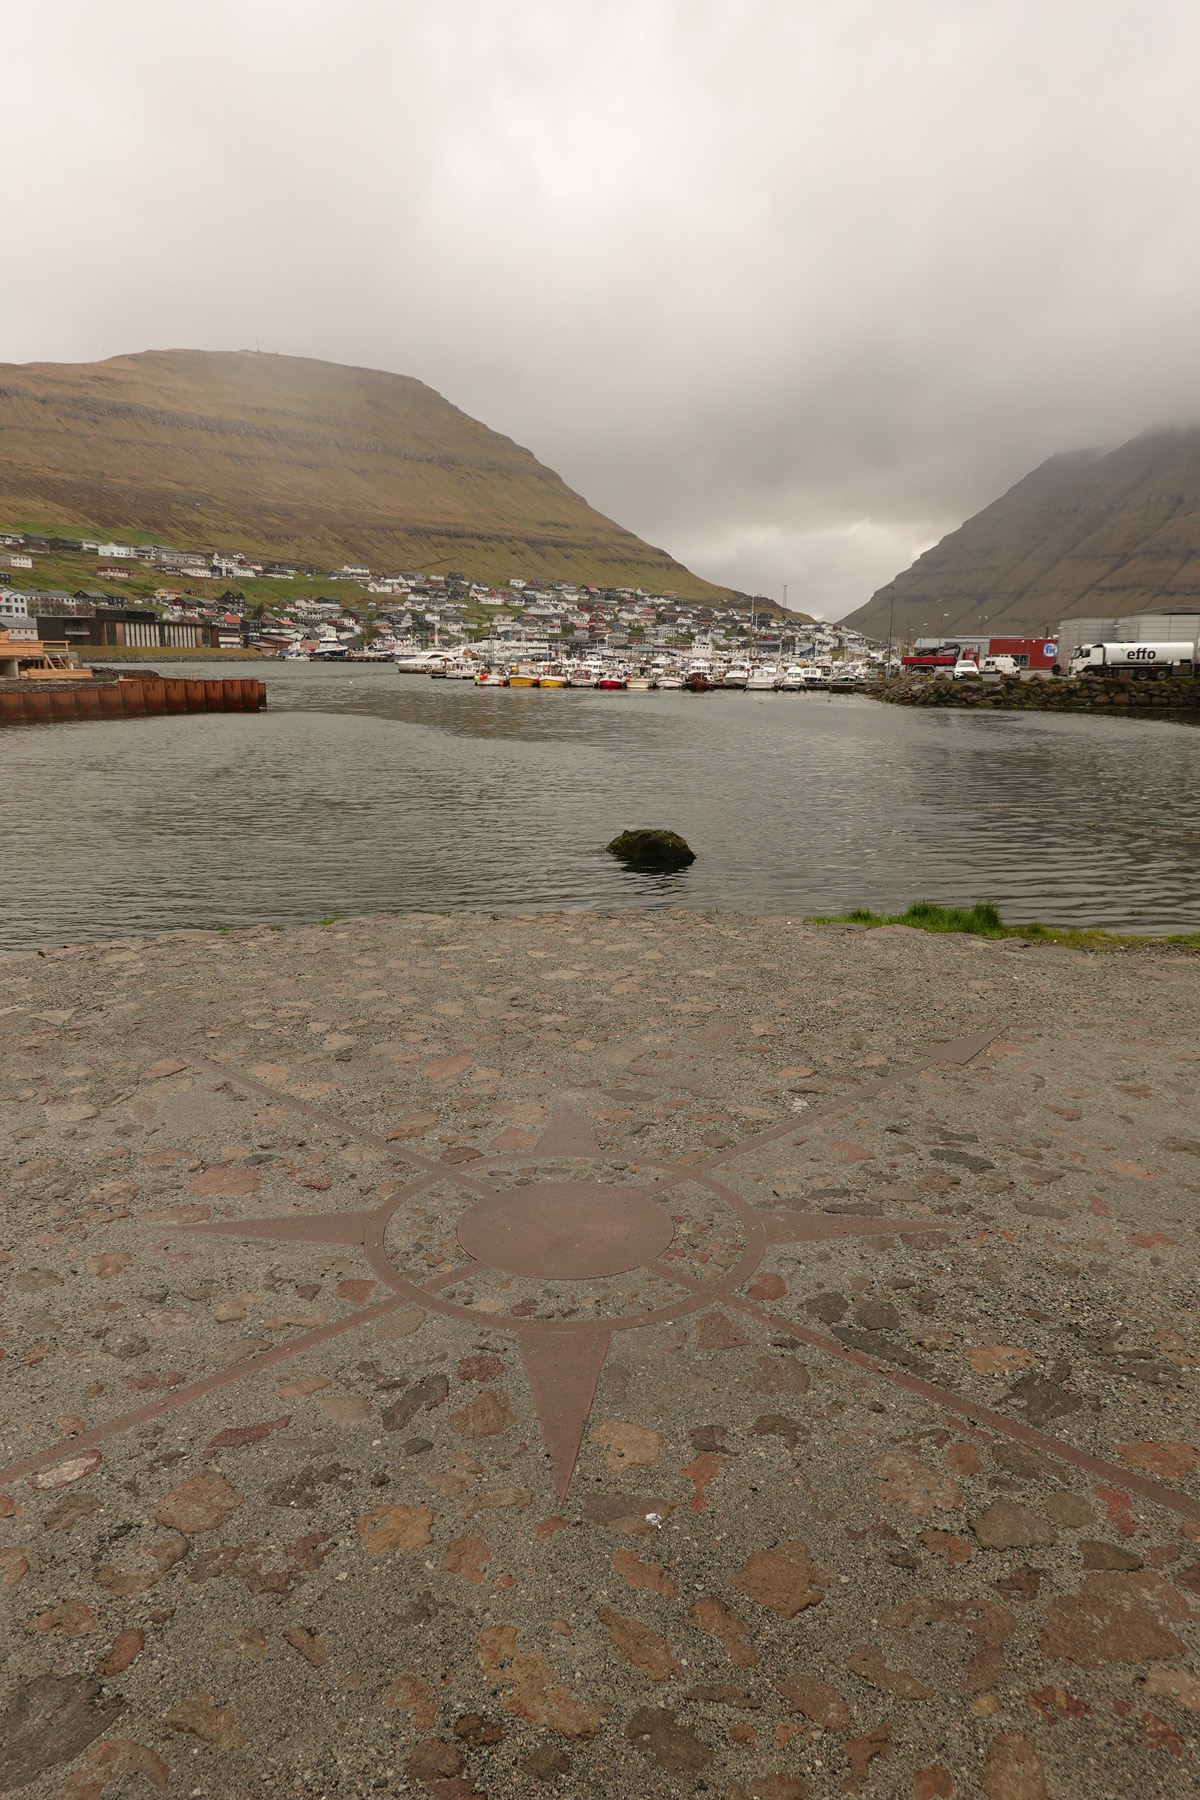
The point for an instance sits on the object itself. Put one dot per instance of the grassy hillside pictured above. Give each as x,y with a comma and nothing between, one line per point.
1088,534
297,460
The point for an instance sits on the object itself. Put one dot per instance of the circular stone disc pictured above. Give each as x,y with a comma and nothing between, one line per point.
566,1231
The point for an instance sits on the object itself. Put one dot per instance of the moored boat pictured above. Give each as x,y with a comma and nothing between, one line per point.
525,675
764,679
419,662
736,675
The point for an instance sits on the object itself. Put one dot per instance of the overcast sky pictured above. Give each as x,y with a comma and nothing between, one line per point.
789,287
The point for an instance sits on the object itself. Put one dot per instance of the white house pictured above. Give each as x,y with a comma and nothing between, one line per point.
14,616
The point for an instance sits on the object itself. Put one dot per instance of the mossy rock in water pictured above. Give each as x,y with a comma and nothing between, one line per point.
652,850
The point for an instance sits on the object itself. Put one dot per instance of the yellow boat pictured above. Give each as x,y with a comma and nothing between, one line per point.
553,677
525,675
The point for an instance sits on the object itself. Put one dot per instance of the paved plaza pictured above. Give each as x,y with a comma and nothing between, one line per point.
599,1355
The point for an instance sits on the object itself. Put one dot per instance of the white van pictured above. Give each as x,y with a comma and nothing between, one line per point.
998,665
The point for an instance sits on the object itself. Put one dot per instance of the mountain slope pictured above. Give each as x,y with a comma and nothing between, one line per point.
297,460
1090,533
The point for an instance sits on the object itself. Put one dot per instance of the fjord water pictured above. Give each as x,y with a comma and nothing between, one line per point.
363,790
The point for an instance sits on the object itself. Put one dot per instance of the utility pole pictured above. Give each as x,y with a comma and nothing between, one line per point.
891,626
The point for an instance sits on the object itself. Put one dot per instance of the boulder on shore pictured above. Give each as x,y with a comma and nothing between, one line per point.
652,850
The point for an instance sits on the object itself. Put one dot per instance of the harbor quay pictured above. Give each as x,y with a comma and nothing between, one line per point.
622,1354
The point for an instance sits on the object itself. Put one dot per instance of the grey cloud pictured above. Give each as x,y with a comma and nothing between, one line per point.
788,287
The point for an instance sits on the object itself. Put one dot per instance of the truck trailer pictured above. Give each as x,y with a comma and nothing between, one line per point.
1134,659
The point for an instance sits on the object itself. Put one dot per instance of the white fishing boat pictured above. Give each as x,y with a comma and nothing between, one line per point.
584,675
764,679
793,679
640,684
736,675
419,662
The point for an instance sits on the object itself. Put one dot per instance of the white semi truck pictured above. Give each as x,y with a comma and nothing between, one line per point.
1136,659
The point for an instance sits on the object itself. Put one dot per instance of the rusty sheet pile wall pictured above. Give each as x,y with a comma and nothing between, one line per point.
24,702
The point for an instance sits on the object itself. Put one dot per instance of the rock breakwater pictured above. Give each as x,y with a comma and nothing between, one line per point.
1086,694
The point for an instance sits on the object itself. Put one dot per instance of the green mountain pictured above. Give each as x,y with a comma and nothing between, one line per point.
300,461
1091,533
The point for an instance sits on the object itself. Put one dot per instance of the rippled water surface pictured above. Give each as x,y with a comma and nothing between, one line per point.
363,790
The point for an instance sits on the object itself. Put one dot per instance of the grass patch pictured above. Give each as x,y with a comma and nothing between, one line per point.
982,919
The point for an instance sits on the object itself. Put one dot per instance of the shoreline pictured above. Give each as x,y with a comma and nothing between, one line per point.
1095,940
96,653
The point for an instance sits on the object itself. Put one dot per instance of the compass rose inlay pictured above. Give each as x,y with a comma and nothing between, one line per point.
542,1245
545,1259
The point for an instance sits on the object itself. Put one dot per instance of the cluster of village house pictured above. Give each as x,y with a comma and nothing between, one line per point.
412,605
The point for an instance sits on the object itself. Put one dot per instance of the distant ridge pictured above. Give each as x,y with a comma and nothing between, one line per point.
298,460
1088,533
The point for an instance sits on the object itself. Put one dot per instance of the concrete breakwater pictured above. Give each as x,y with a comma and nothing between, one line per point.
1086,694
131,696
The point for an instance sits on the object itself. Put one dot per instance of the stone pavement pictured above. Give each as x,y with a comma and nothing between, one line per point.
599,1355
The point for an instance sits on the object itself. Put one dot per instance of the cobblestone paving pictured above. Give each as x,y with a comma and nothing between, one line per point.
598,1355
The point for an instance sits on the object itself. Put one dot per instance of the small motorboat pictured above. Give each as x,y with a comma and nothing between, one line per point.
553,676
699,679
764,679
491,678
525,675
793,679
612,681
736,675
640,684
